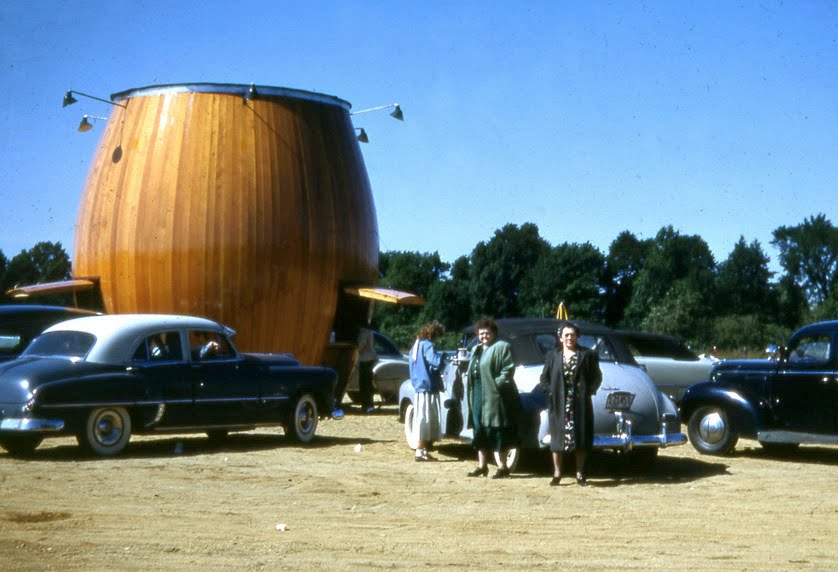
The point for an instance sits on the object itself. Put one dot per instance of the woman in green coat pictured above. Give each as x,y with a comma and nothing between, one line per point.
493,400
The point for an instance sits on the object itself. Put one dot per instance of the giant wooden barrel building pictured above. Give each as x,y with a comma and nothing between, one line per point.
249,205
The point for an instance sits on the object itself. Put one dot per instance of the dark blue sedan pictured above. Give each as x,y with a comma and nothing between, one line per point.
103,378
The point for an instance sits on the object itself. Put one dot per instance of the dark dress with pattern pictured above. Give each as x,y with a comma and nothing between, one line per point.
570,388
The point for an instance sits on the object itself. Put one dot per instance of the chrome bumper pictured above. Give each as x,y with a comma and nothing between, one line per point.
26,425
623,439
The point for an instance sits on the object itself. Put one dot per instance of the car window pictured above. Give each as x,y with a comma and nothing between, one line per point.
545,343
810,350
209,346
10,344
383,346
163,346
61,344
659,347
599,344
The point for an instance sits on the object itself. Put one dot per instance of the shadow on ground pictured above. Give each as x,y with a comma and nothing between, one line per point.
605,469
815,455
193,445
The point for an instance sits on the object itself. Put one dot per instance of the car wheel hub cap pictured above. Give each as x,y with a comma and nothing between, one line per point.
712,428
108,429
305,419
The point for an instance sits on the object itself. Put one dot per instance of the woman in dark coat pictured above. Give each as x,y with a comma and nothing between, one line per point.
570,377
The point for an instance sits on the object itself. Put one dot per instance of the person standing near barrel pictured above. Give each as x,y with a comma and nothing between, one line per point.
366,361
570,377
426,365
493,399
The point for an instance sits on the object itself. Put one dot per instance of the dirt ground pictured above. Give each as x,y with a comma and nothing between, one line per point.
356,499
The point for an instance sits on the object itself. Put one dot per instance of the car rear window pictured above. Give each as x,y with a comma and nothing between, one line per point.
663,348
61,344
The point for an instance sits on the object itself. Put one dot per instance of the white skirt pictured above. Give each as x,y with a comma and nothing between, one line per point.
426,417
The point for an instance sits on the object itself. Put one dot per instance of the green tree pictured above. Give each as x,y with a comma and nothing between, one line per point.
448,300
791,302
809,254
743,283
626,258
682,311
499,266
44,262
677,267
572,273
747,333
410,272
4,262
826,310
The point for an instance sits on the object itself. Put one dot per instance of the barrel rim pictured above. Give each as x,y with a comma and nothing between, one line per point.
238,89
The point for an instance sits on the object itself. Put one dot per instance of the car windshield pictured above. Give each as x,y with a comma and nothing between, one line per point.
384,347
61,344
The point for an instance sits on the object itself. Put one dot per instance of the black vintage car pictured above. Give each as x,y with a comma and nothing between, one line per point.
103,378
780,402
19,324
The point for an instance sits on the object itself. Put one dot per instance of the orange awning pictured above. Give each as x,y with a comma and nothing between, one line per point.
386,295
61,287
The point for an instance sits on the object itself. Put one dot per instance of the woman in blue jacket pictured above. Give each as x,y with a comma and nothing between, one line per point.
426,365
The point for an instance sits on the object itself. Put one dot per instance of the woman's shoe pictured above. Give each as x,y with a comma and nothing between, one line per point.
479,472
554,482
501,474
581,481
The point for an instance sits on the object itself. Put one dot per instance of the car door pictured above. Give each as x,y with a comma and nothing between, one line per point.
804,392
165,378
217,389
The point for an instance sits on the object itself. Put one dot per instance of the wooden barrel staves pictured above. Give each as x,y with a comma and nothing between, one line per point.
254,211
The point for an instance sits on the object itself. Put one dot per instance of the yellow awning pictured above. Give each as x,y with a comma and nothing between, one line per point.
386,295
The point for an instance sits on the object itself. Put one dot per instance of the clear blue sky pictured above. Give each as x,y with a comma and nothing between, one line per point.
586,118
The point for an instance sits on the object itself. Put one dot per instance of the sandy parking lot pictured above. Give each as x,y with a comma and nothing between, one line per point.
219,508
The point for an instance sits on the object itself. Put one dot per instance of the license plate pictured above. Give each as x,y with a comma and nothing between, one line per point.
619,400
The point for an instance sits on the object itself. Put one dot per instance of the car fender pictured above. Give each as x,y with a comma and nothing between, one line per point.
745,412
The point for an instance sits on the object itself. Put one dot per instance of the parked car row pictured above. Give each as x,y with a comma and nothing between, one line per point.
104,378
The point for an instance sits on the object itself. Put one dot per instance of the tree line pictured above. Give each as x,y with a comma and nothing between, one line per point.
668,284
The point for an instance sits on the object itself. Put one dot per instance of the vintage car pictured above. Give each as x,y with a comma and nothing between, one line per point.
631,415
103,378
388,373
19,324
671,364
781,403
